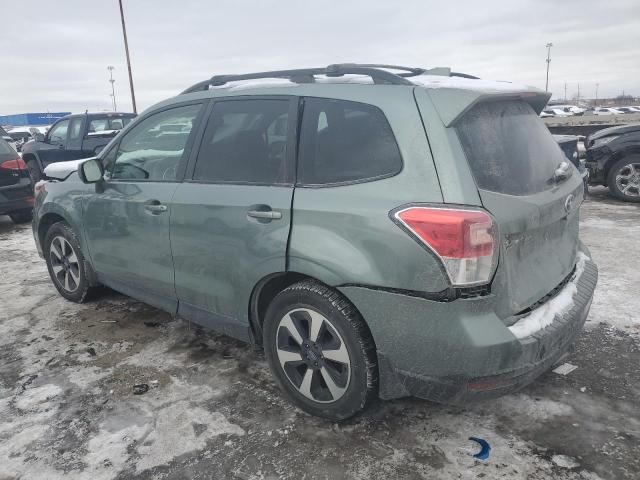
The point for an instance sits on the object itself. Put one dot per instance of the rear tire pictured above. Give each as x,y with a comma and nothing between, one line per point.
34,170
21,216
624,178
66,263
320,351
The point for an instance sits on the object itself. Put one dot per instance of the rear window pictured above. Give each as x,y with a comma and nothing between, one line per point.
108,124
343,141
4,147
508,147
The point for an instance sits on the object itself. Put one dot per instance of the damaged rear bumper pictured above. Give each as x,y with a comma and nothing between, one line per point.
461,351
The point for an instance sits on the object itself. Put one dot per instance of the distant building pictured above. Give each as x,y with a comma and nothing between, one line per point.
31,119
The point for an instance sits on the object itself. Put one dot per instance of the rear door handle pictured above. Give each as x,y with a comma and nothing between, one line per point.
269,214
154,206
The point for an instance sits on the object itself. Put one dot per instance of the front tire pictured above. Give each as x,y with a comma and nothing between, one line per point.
66,263
624,178
320,351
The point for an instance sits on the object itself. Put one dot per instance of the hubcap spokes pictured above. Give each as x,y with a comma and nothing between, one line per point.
628,180
313,355
64,263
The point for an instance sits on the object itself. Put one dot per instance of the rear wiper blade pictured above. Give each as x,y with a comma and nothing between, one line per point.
562,172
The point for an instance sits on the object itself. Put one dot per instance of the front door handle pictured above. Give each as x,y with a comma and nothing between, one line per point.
269,214
154,206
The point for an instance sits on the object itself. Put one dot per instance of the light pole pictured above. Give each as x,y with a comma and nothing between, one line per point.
597,85
113,90
549,45
126,49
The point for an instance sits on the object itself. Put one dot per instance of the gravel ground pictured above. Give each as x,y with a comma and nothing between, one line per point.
67,408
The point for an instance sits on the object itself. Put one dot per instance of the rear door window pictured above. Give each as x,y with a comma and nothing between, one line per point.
343,141
509,148
245,142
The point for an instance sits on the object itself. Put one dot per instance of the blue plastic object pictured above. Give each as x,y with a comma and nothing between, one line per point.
485,449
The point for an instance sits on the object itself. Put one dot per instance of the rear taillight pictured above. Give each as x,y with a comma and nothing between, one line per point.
465,241
15,164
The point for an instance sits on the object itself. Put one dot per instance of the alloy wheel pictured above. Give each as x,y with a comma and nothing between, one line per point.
64,264
628,180
313,355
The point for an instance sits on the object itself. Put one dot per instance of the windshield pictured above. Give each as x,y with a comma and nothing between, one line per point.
508,147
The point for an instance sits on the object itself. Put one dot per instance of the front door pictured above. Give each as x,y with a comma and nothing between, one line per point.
53,149
127,220
231,216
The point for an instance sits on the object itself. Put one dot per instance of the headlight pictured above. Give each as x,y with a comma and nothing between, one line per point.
598,142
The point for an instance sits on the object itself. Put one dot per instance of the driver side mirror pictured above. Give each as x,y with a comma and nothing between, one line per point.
91,171
38,137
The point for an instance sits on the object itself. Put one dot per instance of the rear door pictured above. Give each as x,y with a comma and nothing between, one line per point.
514,160
126,220
231,216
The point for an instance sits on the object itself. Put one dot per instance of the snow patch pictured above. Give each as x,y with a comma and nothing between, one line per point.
544,316
62,170
439,81
175,433
38,397
564,461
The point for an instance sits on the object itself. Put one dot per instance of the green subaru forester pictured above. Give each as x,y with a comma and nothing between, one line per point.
381,231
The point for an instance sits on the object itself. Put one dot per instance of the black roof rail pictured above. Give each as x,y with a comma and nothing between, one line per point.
379,73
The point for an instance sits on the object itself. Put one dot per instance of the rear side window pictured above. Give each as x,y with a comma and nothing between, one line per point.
508,147
4,147
343,141
245,142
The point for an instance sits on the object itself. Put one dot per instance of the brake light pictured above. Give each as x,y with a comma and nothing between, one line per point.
465,241
16,164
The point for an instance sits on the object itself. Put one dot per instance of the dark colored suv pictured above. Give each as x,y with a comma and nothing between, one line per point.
381,231
16,189
613,159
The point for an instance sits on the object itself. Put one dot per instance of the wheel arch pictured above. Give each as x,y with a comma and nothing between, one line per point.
266,290
262,295
630,150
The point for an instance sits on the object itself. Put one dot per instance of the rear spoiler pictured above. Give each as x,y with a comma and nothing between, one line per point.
452,103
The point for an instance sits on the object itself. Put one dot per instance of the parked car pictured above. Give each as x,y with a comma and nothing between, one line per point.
569,144
16,189
21,135
607,111
430,249
571,109
629,109
72,137
556,112
613,159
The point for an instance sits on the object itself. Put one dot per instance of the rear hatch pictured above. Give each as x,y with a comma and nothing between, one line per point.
515,160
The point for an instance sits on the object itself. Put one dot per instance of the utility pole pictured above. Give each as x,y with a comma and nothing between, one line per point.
578,102
597,85
565,92
549,45
126,49
113,90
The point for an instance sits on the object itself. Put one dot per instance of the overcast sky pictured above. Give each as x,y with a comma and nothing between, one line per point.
55,54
